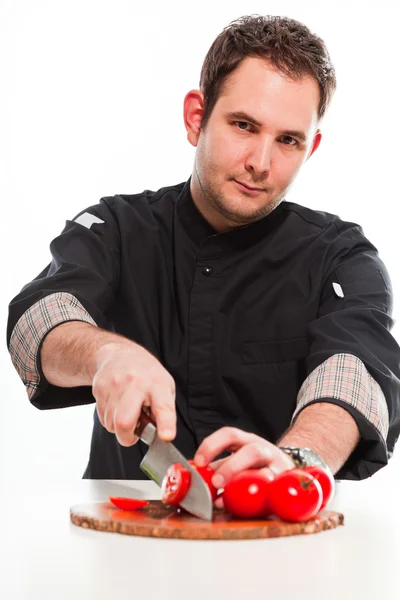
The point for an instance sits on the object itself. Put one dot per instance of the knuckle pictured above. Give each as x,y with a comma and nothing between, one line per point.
232,432
123,379
159,379
129,376
116,381
163,407
99,386
260,451
122,423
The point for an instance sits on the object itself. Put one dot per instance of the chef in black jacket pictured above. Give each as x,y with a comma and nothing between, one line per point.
246,323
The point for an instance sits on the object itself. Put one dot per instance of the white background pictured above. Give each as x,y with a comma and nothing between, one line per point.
91,105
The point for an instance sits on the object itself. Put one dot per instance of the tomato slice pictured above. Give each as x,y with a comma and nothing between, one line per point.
175,484
128,503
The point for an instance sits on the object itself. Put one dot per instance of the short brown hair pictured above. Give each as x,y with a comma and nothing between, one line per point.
289,46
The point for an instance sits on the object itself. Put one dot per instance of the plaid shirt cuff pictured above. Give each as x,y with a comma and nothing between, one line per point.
32,327
344,377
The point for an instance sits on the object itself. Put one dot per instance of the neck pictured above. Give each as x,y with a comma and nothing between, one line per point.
218,221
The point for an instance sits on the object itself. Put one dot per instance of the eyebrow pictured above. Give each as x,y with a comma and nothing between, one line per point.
242,116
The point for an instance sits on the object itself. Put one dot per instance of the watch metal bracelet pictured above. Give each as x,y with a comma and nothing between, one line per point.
304,457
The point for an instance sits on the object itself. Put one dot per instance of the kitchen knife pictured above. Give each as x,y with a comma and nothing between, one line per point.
160,456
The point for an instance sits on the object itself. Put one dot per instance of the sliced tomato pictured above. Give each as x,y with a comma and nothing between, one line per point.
295,495
175,484
207,474
246,495
326,480
128,503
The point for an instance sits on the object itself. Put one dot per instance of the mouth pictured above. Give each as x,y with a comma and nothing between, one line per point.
247,188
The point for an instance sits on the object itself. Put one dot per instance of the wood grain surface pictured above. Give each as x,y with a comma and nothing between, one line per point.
160,521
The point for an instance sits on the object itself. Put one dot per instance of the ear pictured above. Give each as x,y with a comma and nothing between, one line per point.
193,109
316,143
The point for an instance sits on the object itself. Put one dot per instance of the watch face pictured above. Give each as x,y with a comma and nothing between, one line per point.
305,457
311,459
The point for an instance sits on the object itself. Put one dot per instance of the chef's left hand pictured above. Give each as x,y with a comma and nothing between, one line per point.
249,451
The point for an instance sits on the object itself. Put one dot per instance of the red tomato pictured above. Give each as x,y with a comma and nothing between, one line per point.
326,480
128,503
207,474
175,484
246,495
295,495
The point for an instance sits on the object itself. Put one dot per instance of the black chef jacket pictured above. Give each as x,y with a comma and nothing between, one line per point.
239,319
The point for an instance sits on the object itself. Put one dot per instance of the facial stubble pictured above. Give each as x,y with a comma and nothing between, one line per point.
215,198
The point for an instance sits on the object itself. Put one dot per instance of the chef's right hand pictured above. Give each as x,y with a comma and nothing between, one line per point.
126,378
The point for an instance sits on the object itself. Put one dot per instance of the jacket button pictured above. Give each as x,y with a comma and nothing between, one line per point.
207,271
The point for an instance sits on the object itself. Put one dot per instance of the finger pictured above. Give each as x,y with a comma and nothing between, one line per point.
126,415
282,461
163,411
107,390
219,503
100,414
109,417
108,412
267,473
146,406
217,463
226,438
250,456
100,393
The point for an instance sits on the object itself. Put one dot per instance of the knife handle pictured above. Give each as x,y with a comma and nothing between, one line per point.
142,430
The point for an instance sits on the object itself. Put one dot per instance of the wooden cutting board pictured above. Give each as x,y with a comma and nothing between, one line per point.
160,521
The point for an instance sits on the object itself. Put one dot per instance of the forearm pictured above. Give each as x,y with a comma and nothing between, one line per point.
70,352
327,429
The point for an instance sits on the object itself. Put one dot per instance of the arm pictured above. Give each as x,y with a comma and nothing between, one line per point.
59,341
68,353
330,419
123,376
347,409
327,429
324,427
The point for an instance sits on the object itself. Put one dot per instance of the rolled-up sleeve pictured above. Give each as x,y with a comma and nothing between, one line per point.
354,361
32,328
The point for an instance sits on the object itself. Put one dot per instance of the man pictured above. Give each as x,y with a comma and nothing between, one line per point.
245,322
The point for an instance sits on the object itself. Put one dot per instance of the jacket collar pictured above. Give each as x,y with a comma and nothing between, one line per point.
213,243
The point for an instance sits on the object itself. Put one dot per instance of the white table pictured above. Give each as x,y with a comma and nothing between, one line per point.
44,556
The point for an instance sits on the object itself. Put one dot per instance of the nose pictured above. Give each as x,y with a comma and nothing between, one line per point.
258,161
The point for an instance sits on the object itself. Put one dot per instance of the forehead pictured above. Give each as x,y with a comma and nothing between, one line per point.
259,90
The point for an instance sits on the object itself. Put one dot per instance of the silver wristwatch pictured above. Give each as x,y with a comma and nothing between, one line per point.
304,457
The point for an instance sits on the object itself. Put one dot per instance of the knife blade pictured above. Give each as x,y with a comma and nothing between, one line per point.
160,456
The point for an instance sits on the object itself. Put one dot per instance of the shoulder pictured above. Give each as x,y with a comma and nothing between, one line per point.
124,211
147,199
318,219
340,244
113,215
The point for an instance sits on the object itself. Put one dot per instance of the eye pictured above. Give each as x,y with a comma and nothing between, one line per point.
243,125
289,141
